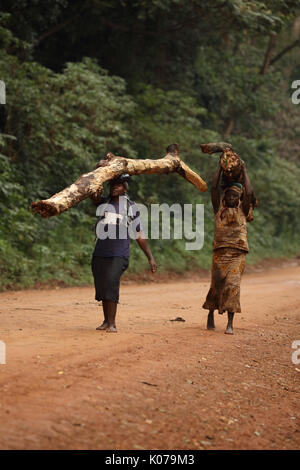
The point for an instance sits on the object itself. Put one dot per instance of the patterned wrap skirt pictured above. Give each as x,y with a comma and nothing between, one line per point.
107,272
227,268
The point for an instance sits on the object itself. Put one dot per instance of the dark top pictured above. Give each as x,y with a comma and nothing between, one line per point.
114,219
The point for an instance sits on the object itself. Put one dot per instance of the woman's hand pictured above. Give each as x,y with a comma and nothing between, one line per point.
144,246
243,165
152,264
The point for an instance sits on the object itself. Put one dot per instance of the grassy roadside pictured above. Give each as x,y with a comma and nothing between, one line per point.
83,279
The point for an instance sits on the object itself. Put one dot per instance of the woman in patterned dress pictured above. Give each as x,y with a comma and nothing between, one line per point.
230,247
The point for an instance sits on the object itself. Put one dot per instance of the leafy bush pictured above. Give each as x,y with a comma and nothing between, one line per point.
171,72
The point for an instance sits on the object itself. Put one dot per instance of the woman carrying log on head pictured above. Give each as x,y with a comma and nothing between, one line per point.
230,247
111,254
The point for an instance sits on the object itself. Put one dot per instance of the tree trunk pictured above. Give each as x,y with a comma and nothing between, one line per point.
91,184
229,127
268,55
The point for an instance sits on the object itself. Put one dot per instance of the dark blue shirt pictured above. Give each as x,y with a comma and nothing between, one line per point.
114,219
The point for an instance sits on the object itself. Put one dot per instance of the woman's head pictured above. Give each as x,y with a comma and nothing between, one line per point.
119,186
233,194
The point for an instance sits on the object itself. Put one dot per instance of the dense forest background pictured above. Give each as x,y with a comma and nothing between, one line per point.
132,76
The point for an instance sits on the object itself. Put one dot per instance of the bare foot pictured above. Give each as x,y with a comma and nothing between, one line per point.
104,326
111,329
210,325
229,331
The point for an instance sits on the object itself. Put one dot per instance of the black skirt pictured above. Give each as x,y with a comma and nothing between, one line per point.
107,273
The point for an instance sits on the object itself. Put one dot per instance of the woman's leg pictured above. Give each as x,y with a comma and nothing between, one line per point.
110,309
229,328
96,270
109,272
104,325
110,306
210,320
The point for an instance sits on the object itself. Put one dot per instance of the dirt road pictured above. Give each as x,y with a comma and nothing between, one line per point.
156,384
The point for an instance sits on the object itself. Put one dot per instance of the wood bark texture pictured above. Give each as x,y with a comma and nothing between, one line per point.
214,147
91,184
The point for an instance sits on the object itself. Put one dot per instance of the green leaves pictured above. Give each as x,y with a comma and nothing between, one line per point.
57,126
232,87
191,71
64,122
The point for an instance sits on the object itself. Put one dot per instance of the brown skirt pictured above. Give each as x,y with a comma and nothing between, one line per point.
227,268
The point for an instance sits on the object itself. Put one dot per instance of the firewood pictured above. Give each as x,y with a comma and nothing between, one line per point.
215,147
91,184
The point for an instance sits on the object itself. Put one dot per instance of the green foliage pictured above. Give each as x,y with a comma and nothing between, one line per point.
70,119
132,77
56,127
221,77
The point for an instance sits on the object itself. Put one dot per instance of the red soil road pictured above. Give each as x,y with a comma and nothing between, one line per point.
156,384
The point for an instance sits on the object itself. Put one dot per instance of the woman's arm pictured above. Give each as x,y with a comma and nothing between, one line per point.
248,191
215,194
97,198
142,241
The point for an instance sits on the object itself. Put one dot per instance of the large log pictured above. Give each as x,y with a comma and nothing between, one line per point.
91,184
231,165
214,147
229,160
